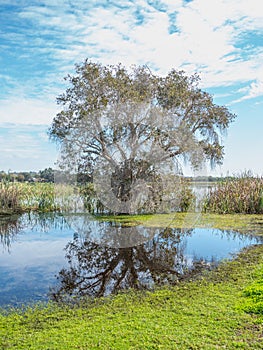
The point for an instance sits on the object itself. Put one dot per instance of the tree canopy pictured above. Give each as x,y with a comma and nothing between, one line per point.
126,128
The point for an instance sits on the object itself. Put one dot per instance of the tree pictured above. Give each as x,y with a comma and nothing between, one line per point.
129,130
47,175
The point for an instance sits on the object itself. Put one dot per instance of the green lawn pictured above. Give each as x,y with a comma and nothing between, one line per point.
211,312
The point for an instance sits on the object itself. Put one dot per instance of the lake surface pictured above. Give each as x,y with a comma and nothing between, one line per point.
43,257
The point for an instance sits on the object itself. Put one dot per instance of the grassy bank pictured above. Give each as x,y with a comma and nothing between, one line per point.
209,313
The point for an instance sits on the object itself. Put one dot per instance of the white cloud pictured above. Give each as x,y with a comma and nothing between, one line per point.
173,5
27,111
206,40
217,39
255,89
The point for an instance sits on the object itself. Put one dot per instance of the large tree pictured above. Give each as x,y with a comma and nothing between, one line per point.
128,128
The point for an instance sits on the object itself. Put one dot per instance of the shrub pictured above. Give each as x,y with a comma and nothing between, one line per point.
174,195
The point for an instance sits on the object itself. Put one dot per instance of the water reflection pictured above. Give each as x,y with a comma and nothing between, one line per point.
97,270
31,255
172,255
9,228
110,234
13,225
34,247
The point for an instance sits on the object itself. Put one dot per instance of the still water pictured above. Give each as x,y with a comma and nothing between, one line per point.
42,257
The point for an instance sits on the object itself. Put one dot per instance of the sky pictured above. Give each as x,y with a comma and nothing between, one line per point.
42,40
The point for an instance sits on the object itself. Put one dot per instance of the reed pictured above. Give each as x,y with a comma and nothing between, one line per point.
19,197
38,196
10,196
243,194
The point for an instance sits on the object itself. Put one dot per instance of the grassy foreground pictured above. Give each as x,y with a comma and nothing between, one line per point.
222,309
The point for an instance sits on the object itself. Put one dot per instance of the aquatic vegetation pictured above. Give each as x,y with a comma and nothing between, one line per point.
19,197
38,196
177,196
10,197
243,194
91,201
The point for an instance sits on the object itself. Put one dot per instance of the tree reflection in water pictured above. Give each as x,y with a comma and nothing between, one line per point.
12,225
96,270
9,228
101,258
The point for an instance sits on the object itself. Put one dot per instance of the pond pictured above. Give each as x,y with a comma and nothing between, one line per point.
42,257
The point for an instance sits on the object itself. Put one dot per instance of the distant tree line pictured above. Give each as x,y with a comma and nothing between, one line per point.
209,178
46,175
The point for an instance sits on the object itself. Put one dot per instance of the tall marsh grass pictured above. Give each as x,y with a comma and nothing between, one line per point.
243,195
10,197
38,196
18,197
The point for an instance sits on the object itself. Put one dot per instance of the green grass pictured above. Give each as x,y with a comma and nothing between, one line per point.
241,222
207,313
254,294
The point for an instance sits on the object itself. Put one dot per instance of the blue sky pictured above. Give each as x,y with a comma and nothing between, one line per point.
41,40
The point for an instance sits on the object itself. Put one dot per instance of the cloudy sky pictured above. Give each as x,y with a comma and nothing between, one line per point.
41,40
